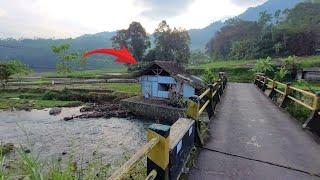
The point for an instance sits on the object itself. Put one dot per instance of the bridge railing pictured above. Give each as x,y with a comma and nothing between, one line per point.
169,147
206,101
289,93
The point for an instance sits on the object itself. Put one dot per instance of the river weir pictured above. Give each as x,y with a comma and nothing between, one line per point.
49,137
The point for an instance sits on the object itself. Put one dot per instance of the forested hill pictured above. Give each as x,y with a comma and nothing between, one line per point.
199,37
271,6
37,53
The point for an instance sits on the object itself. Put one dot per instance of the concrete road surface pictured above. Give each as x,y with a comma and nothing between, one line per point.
251,138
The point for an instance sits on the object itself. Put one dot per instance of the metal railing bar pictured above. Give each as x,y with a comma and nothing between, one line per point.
152,175
300,102
126,167
204,107
277,90
303,91
204,94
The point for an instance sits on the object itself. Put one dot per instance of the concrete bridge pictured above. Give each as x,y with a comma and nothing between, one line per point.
251,138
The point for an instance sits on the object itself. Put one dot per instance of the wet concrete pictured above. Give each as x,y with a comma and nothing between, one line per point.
248,124
50,137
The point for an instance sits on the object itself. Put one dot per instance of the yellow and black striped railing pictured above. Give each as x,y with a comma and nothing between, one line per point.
206,101
168,147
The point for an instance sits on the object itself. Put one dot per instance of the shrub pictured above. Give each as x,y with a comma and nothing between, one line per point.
263,66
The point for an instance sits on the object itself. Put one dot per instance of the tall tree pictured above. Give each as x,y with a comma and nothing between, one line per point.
171,44
235,30
65,58
135,38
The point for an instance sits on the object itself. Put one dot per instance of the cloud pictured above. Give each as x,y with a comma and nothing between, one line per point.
161,9
2,12
72,18
246,3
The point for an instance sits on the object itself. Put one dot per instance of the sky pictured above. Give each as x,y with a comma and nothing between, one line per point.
72,18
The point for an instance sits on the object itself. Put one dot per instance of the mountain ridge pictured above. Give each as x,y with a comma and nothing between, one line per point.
37,52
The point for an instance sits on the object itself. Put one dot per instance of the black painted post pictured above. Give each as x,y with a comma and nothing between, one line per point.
273,92
215,97
220,90
223,79
313,122
287,92
158,157
264,85
210,106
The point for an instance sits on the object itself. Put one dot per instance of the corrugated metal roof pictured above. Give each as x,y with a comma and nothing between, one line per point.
311,69
177,72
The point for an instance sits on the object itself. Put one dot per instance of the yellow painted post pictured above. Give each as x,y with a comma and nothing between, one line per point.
158,157
273,84
193,107
316,102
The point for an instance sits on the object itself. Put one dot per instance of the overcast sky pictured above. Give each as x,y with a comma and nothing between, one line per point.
71,18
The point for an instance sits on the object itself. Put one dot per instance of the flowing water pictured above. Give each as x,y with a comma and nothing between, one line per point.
50,137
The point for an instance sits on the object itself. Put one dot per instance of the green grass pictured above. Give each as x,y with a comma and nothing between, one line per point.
239,70
86,73
312,61
29,166
220,64
132,88
36,104
21,100
308,86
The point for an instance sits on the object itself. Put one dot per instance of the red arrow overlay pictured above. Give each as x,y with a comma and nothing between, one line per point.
123,55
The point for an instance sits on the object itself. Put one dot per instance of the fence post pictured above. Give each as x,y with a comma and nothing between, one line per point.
158,157
273,92
193,113
215,98
193,107
313,122
220,90
287,92
223,79
264,85
210,107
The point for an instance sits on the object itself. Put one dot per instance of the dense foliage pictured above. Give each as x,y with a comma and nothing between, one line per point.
135,38
10,68
288,32
170,44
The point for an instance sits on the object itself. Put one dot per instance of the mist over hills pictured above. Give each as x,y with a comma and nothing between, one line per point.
37,52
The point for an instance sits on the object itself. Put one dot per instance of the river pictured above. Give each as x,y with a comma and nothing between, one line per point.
50,137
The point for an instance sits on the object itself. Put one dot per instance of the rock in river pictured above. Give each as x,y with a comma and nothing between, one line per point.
55,111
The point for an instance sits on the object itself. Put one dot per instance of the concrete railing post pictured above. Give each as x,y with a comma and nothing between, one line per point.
313,122
193,107
273,92
287,92
158,157
223,79
193,113
210,107
264,85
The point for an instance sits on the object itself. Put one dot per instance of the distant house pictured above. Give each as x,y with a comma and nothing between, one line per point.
162,79
310,74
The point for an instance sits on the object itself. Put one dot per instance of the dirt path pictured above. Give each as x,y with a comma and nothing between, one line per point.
253,139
